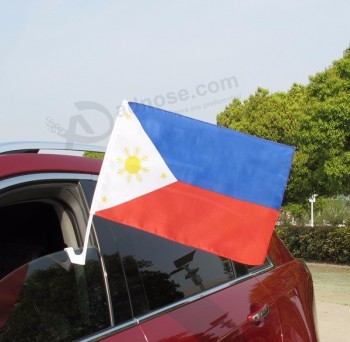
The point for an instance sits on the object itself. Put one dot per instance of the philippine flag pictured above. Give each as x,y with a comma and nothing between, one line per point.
199,184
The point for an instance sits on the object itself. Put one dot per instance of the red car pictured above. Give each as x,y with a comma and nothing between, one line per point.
135,286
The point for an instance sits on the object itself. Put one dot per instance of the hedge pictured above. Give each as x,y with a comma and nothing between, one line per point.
318,244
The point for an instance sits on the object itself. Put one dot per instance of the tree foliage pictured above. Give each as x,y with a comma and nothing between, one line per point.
96,155
318,244
315,118
333,211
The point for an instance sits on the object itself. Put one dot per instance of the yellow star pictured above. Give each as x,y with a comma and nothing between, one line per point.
104,199
163,175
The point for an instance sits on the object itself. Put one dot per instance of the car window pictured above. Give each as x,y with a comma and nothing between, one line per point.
42,296
258,268
168,271
50,299
119,292
27,231
242,270
39,218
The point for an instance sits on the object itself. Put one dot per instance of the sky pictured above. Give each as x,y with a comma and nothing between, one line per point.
66,66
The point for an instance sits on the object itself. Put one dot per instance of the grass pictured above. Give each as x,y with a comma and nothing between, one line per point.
331,283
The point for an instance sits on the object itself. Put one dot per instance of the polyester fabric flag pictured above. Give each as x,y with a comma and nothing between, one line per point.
192,182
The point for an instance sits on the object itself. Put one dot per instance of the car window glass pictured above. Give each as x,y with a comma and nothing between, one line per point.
50,299
171,271
39,219
120,294
28,231
257,268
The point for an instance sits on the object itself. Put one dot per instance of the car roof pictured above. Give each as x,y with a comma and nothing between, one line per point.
17,164
18,158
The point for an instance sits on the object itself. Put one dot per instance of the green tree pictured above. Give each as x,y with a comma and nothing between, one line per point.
334,211
314,118
96,155
326,132
278,117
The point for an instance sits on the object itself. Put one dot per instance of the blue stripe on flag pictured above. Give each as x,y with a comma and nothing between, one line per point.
218,159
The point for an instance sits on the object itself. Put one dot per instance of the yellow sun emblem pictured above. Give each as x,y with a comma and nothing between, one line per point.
132,165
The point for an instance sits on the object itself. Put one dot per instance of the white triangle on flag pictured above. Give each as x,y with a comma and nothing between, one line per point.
132,166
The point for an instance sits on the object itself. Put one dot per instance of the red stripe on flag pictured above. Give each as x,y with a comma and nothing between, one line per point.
203,219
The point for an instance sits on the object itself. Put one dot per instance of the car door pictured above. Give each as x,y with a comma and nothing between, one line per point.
42,295
291,287
224,315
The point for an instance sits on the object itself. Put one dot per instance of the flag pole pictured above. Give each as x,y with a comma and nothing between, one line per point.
80,259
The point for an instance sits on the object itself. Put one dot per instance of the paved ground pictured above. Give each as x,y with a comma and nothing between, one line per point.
333,322
332,291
